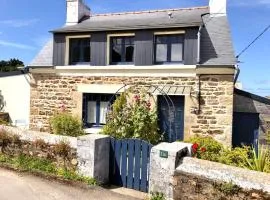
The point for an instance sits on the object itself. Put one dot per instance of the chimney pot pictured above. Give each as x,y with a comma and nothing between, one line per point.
218,8
76,10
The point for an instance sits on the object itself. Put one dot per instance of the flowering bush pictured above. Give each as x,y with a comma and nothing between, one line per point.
133,116
206,148
198,151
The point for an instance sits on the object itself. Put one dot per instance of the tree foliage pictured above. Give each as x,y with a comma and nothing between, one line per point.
10,65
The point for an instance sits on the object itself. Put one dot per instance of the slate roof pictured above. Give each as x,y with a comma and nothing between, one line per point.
184,17
252,96
44,57
216,42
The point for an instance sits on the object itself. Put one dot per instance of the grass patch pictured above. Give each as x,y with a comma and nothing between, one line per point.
34,164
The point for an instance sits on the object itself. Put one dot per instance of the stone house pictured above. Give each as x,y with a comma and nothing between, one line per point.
184,57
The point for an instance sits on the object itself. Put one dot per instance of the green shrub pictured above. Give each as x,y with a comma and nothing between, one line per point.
133,116
66,124
235,157
208,148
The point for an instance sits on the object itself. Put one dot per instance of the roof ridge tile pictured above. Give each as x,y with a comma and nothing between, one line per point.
149,11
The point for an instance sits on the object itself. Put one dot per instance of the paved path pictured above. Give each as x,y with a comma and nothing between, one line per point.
14,186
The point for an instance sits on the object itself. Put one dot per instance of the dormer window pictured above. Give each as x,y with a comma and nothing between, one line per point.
169,48
79,50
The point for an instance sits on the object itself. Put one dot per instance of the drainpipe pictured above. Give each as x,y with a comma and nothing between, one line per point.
237,73
199,45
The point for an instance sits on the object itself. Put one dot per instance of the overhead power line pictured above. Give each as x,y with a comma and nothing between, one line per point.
258,37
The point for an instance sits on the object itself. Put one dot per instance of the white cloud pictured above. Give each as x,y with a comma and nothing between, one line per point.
15,45
19,23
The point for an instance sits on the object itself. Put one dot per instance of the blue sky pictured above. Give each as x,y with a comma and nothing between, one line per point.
24,26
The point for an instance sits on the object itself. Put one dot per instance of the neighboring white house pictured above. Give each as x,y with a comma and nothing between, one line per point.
15,90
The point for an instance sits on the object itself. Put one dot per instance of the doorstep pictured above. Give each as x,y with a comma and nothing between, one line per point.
128,192
93,130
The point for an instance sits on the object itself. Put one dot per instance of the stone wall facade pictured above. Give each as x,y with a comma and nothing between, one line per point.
213,116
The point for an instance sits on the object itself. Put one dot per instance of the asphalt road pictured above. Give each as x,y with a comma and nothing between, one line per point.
16,186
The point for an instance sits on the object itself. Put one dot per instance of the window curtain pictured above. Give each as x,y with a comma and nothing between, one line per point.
103,111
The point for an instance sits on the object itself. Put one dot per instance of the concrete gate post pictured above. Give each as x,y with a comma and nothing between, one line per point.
164,159
93,153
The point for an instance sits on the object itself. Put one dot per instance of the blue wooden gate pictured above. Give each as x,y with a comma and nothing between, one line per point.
129,163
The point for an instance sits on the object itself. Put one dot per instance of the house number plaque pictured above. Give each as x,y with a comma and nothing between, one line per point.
163,154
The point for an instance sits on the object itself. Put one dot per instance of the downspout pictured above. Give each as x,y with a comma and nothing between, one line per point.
237,73
199,45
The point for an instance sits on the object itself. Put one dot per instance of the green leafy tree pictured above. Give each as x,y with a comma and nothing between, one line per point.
10,65
133,116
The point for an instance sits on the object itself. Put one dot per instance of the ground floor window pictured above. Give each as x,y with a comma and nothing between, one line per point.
95,108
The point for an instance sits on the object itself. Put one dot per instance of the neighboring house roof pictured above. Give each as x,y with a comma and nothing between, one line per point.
252,96
184,17
216,42
14,73
44,57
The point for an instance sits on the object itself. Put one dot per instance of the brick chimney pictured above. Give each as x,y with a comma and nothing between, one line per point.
218,8
76,10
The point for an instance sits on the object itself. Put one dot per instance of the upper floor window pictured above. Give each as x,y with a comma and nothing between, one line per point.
79,51
169,48
122,50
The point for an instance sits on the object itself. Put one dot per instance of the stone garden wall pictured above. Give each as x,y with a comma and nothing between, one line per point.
88,155
181,177
199,179
60,149
50,91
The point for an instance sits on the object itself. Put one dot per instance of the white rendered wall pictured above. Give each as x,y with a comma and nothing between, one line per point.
16,93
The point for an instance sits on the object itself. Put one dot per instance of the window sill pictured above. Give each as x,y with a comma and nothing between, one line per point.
126,67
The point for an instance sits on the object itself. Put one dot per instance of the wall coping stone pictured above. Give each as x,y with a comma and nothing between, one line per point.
28,135
244,178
